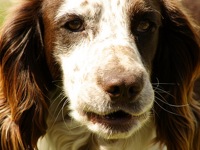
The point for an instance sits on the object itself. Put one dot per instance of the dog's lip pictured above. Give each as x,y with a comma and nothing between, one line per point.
113,118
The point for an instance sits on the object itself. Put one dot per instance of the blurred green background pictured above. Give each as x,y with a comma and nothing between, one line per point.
4,6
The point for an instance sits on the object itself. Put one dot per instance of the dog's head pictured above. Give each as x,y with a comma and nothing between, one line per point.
105,50
110,57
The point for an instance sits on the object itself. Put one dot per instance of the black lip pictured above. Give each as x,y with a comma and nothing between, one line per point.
119,115
114,118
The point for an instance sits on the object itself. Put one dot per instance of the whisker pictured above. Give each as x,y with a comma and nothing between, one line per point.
160,83
162,98
159,91
163,84
74,126
59,98
154,112
63,112
58,85
56,114
177,106
168,110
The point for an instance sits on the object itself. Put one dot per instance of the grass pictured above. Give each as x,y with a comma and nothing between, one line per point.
4,5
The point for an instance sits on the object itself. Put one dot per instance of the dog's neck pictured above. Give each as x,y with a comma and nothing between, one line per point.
70,135
66,134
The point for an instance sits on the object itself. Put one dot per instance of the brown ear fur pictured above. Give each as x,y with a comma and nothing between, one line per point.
175,68
24,79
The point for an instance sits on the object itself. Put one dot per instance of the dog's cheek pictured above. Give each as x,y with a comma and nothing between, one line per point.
78,74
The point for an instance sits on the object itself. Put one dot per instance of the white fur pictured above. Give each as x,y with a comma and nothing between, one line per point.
72,136
84,61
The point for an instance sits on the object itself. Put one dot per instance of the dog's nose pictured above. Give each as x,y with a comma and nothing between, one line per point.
123,85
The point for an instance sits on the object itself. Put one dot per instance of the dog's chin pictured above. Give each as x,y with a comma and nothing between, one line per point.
114,125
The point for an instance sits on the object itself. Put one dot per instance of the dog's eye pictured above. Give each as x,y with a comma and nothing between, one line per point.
144,26
75,25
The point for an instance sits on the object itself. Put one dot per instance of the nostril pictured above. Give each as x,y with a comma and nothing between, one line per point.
120,90
122,86
133,90
114,91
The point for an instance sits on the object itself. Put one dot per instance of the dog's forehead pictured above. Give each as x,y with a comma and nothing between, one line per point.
94,6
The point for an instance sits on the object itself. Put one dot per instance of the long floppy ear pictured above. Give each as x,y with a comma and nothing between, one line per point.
24,78
175,67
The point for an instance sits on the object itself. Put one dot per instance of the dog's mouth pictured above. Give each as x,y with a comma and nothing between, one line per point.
115,124
117,118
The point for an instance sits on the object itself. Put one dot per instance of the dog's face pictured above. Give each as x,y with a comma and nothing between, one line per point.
105,50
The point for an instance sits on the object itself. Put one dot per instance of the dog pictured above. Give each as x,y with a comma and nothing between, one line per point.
99,75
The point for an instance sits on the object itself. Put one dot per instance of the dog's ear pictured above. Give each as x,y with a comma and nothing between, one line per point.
175,67
24,78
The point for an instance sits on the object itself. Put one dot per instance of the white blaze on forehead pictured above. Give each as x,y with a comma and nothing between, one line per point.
112,17
113,23
77,7
110,9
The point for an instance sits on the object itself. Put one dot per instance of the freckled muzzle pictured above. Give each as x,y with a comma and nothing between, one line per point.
111,91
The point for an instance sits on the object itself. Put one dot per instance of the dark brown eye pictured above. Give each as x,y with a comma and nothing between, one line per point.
144,26
75,25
